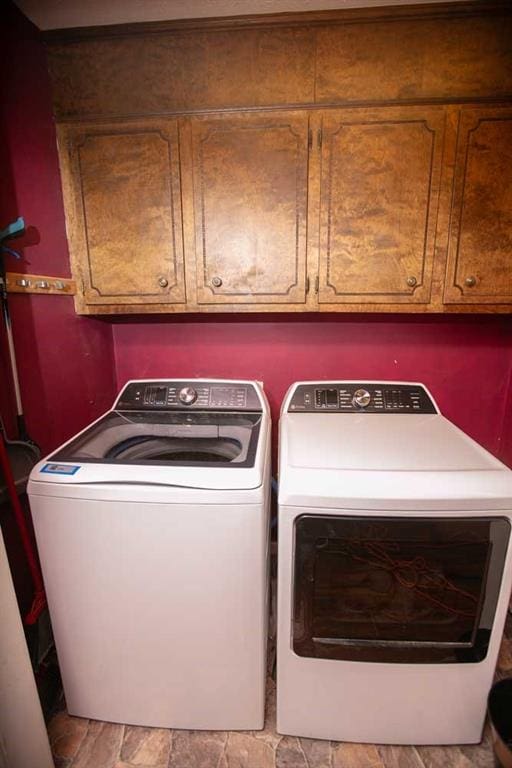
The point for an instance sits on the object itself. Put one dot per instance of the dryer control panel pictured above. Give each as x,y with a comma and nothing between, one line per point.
358,397
192,394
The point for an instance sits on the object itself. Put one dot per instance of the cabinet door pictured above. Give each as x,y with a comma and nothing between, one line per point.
479,266
249,199
122,198
379,191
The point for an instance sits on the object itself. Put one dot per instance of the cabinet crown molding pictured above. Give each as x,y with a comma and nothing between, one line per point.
464,9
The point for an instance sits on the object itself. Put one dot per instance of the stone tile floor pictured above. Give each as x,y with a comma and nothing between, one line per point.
79,743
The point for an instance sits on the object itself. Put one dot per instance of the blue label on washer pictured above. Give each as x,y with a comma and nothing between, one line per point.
60,469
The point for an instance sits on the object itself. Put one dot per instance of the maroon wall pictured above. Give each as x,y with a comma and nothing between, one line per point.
65,361
465,361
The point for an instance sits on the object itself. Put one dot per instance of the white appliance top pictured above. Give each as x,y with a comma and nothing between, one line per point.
378,443
202,434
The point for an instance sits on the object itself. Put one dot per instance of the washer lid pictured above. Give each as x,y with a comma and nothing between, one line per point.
166,438
412,442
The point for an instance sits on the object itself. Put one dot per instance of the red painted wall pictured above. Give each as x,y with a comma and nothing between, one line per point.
465,361
65,361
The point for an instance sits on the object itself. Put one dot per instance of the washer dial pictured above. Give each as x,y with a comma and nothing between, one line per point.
187,395
361,398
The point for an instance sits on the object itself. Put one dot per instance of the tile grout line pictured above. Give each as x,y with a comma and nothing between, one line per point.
123,734
171,745
301,748
223,753
415,750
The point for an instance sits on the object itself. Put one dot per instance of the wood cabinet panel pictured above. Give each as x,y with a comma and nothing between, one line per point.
313,150
422,58
143,74
479,266
379,190
249,179
334,57
122,197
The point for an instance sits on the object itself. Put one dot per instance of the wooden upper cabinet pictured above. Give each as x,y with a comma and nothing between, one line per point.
379,193
479,269
248,207
176,70
460,55
350,160
122,198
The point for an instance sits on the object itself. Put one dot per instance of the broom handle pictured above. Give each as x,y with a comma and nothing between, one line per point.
12,356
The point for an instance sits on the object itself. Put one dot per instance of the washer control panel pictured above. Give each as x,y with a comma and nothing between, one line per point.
184,395
359,397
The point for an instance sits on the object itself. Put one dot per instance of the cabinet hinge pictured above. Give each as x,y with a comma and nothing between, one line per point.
317,284
307,284
310,138
319,138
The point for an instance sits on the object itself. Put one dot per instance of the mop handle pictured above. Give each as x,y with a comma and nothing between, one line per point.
12,357
14,229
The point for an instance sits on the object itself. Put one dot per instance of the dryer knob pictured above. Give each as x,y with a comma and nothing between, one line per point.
187,395
361,398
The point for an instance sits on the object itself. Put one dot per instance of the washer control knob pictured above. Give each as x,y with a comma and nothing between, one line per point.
361,398
187,395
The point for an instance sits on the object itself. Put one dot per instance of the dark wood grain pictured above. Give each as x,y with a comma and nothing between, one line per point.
402,60
249,196
379,198
357,55
480,254
122,195
155,74
249,208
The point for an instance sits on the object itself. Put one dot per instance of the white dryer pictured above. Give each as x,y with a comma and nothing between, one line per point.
152,529
395,567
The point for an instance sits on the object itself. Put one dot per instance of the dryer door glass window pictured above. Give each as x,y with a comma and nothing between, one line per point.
396,590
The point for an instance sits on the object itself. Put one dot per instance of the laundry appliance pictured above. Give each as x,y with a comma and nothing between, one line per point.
395,567
152,529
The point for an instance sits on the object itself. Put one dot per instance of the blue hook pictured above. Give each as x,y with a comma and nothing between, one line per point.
13,230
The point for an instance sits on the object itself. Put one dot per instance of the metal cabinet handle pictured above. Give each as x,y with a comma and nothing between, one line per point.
163,282
216,282
470,281
411,281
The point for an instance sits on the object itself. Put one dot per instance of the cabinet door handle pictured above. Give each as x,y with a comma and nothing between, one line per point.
216,282
163,282
411,281
470,281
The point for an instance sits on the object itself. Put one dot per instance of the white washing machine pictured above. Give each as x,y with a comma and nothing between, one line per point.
152,528
394,567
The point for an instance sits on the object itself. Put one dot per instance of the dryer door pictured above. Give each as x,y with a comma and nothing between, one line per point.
397,590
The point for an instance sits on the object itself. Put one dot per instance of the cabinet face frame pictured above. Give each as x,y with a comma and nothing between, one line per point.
469,277
156,136
203,140
428,123
314,272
